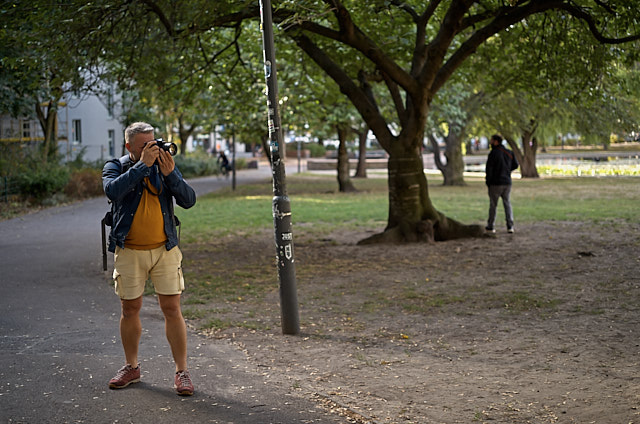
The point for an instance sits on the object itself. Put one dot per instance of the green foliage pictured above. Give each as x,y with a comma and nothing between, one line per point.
42,180
202,165
11,156
317,151
196,166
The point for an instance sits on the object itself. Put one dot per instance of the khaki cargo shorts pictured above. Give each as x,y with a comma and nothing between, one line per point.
132,269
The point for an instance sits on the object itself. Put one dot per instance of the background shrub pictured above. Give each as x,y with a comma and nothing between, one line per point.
317,150
84,183
202,165
196,166
41,180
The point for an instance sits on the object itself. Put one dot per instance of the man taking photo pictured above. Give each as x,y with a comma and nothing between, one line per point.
142,187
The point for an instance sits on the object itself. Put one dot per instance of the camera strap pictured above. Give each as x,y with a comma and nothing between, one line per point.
146,186
174,218
156,180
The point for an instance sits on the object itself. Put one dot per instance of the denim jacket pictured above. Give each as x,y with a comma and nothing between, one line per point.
122,183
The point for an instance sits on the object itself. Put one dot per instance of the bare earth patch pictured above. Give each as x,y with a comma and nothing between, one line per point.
537,327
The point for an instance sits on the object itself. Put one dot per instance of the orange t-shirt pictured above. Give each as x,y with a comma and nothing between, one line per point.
147,228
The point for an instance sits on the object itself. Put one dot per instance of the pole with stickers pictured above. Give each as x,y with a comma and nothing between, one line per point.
281,204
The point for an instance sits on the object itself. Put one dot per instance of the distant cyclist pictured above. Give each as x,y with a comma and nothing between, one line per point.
223,163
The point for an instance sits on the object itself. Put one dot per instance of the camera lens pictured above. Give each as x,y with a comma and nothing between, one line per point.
167,146
172,148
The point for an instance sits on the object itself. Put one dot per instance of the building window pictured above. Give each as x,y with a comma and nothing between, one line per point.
110,102
112,143
26,129
76,131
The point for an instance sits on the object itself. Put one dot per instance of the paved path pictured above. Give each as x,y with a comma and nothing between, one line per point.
59,342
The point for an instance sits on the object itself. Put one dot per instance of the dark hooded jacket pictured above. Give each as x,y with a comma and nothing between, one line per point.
500,163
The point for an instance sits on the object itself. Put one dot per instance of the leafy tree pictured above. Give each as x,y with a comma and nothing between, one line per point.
610,106
556,67
422,46
35,72
419,51
450,119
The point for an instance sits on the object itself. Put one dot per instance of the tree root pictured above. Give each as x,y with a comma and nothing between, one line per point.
426,231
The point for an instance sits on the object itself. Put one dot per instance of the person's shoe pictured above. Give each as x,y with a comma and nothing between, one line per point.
125,376
510,230
183,384
490,230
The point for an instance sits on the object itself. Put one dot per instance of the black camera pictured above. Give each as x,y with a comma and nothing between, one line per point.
167,146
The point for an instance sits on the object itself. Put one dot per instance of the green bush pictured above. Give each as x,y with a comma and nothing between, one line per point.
317,150
196,166
202,165
42,180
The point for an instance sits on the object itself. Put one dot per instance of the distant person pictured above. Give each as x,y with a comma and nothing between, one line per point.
142,186
223,163
500,163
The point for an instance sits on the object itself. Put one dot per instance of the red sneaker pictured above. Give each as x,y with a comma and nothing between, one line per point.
125,376
182,383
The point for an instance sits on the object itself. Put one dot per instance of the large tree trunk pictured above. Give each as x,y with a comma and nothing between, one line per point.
412,216
527,160
344,180
184,133
48,120
527,155
361,170
454,170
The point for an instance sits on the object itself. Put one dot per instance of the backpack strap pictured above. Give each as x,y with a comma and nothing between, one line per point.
125,163
107,221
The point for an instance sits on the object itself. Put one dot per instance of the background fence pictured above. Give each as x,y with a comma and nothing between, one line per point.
8,188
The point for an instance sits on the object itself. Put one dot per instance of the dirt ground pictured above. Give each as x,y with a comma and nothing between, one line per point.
541,326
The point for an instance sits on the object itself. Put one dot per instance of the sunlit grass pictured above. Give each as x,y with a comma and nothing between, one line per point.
316,204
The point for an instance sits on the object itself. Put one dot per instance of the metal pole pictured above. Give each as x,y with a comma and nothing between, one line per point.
233,161
281,204
299,151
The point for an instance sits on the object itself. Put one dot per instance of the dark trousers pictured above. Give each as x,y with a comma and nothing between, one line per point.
497,192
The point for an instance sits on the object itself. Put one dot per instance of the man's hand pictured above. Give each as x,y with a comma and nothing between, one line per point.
166,162
150,153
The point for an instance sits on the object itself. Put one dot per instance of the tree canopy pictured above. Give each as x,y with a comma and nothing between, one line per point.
390,58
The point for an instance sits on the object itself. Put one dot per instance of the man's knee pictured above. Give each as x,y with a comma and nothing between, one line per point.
131,308
170,305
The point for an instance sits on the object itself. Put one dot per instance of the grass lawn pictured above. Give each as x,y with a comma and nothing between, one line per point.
318,207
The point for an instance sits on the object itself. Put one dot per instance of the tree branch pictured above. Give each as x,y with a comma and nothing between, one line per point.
397,98
405,7
156,10
352,36
437,49
358,97
500,22
579,13
507,16
419,50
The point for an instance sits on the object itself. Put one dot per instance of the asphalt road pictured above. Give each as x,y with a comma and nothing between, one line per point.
59,342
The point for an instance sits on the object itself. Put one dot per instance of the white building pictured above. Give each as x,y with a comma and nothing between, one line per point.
87,125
